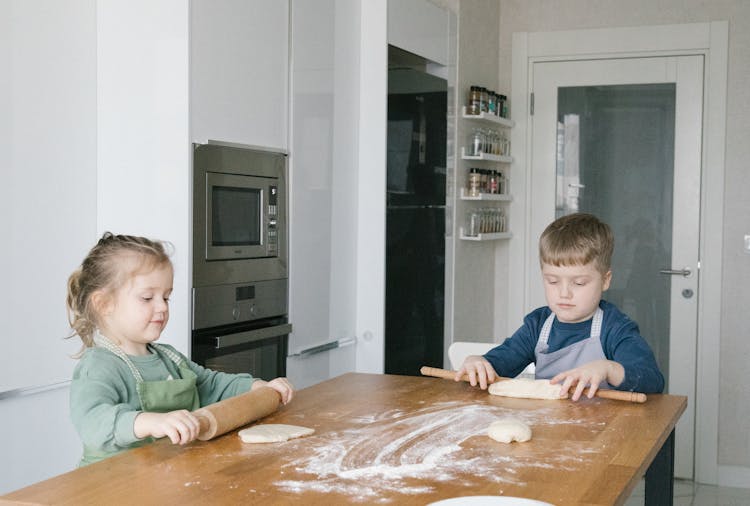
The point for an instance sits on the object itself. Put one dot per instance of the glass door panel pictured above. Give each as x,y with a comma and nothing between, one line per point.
615,147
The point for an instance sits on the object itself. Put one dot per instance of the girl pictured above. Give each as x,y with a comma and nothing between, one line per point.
127,390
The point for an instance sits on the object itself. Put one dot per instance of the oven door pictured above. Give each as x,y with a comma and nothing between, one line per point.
258,347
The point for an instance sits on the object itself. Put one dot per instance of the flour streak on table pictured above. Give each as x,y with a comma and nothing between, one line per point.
396,452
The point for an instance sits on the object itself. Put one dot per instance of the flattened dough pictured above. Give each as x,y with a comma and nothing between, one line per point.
507,430
273,433
527,389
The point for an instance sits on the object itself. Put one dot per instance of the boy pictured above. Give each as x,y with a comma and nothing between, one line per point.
578,338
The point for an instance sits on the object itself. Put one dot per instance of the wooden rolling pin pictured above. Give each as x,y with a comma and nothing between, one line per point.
221,417
617,395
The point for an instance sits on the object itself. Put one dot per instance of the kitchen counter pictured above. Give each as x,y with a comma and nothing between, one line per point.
398,440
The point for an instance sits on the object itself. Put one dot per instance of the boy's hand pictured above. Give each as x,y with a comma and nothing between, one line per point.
479,371
281,385
591,374
181,426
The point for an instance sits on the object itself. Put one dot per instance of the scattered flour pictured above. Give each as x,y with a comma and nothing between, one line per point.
389,450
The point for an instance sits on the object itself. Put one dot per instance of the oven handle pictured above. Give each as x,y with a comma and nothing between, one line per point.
252,335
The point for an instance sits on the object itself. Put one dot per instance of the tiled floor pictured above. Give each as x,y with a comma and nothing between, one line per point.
687,493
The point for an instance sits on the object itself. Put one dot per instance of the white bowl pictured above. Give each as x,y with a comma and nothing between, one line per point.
489,500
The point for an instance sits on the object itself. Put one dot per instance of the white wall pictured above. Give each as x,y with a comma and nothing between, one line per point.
371,184
47,194
143,144
475,265
47,218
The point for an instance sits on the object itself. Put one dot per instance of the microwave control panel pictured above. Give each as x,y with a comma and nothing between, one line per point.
272,239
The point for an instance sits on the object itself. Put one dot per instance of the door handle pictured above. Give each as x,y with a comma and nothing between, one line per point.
676,272
331,345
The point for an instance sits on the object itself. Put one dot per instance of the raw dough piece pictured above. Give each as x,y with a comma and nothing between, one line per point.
527,389
273,433
507,430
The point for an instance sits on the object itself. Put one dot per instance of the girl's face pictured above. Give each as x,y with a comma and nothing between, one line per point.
573,292
137,313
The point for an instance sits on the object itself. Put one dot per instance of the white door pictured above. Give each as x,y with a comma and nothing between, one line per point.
621,138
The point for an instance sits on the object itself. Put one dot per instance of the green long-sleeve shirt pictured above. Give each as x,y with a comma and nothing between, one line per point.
104,401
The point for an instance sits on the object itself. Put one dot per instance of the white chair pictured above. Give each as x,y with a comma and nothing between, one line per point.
459,350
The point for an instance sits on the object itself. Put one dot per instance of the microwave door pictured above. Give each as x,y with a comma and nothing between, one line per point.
236,216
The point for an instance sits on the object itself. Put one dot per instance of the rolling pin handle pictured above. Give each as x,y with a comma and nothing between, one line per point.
205,423
604,394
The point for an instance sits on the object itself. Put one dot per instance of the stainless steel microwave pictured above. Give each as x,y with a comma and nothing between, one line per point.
239,214
242,214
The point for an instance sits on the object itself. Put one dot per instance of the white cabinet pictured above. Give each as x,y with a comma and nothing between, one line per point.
489,223
239,55
324,202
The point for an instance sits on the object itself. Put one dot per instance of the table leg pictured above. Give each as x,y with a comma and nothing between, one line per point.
660,476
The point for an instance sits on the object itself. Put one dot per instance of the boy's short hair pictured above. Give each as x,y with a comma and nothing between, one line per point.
577,239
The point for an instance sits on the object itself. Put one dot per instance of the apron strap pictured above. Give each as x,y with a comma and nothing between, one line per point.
104,342
173,356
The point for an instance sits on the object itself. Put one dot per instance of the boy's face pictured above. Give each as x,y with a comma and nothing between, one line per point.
573,292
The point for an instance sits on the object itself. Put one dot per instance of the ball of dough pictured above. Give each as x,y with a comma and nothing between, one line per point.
507,430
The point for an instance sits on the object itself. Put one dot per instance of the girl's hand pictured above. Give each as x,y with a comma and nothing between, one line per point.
591,374
479,371
281,385
181,427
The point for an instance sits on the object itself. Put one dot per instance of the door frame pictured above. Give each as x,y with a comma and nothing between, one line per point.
708,39
685,73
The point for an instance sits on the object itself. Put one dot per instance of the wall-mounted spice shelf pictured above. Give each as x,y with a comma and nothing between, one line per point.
485,237
487,157
485,196
490,118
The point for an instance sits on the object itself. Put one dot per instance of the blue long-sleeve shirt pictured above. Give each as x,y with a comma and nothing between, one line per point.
621,342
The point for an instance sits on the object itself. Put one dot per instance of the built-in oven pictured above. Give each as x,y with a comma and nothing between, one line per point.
242,327
240,299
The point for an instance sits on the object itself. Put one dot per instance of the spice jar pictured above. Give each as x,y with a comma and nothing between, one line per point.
474,182
491,102
493,182
476,143
485,180
502,106
474,103
473,223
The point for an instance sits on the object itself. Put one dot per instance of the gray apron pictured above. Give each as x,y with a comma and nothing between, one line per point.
155,396
587,350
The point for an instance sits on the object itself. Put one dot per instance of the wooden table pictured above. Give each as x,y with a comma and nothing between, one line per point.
398,440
